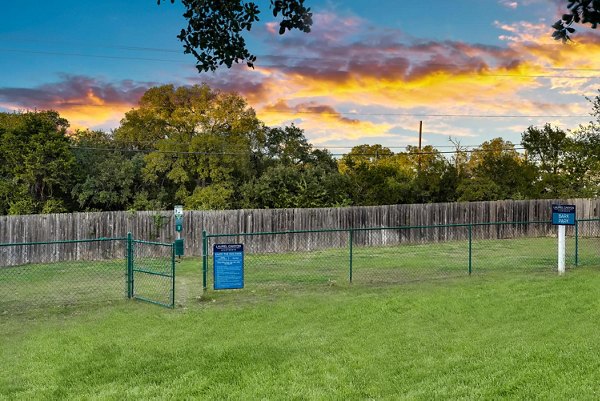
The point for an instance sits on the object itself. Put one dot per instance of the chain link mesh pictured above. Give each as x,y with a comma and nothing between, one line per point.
153,272
391,255
519,246
409,254
58,274
91,271
290,258
588,243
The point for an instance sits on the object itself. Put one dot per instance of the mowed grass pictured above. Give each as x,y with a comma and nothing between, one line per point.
64,283
495,336
512,330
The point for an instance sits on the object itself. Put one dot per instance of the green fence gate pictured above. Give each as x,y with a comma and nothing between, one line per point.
35,275
151,271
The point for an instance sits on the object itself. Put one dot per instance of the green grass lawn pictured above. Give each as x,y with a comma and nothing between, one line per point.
493,336
300,330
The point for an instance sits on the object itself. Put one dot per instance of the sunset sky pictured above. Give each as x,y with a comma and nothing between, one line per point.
472,70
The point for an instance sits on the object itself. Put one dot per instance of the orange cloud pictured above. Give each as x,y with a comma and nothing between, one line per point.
86,102
531,75
323,121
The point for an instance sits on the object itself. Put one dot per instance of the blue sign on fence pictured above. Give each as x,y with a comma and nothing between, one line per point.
563,215
228,266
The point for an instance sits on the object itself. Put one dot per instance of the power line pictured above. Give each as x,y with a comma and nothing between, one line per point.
160,151
157,141
175,152
425,114
477,73
273,56
353,113
87,55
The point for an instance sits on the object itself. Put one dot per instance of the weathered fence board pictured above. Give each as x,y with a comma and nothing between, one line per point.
159,225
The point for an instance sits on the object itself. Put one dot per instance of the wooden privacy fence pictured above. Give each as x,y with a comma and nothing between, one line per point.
159,225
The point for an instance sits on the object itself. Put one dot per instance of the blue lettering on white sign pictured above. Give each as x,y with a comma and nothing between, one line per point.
228,266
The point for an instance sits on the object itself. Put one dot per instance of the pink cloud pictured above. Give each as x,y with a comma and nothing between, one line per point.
509,4
75,90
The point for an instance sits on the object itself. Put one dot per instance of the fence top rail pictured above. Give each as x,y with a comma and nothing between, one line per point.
71,241
138,241
330,230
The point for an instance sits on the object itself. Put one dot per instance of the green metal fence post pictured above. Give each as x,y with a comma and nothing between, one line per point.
129,265
351,240
576,243
470,249
173,276
204,258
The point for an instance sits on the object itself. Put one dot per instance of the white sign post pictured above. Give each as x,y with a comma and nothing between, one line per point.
562,216
561,248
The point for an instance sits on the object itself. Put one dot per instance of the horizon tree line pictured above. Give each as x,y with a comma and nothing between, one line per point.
207,150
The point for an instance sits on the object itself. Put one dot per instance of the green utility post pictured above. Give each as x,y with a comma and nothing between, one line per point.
129,265
178,213
351,240
173,276
204,258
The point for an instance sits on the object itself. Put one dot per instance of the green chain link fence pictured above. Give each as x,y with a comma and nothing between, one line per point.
152,277
400,254
42,274
62,273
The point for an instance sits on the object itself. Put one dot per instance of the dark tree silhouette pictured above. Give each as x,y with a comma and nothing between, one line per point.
579,12
214,34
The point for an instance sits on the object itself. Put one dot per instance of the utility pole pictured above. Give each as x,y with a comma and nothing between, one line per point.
420,140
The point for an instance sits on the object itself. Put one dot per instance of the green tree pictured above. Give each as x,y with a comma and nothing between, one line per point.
199,138
297,186
547,148
214,34
37,163
479,189
107,178
364,156
582,164
497,171
377,176
579,12
287,145
293,174
582,159
380,176
436,178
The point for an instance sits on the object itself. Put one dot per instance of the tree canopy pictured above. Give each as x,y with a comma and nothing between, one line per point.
578,12
213,135
214,34
36,163
207,150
